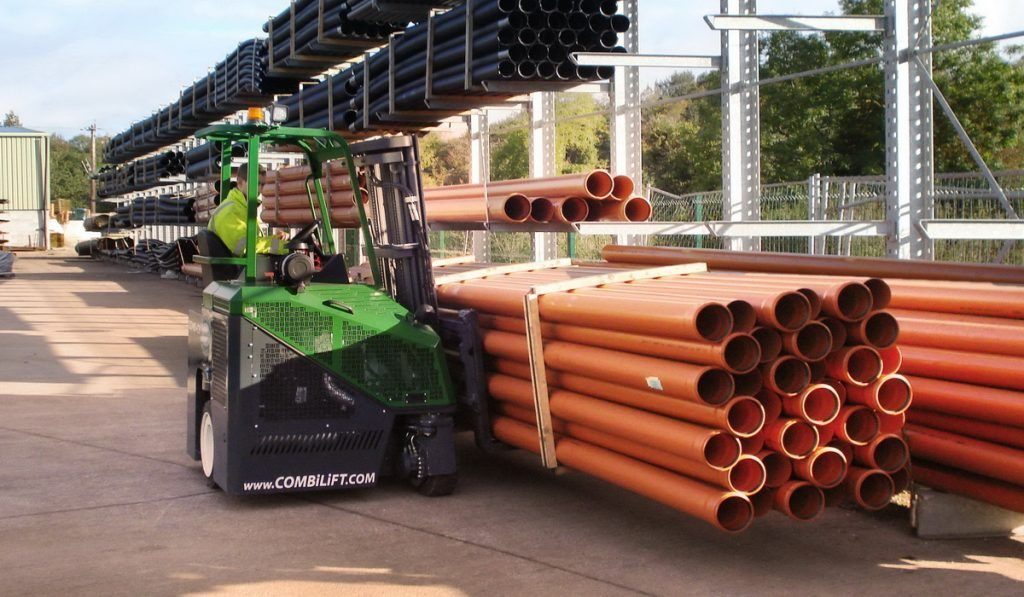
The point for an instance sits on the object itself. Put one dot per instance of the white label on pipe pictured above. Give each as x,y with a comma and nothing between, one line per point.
655,384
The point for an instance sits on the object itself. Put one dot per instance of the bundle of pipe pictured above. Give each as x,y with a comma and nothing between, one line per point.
140,175
239,81
403,11
204,161
97,222
207,199
961,328
568,199
165,209
725,396
525,41
312,36
286,202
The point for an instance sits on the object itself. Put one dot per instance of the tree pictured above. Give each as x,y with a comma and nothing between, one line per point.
444,162
68,179
11,119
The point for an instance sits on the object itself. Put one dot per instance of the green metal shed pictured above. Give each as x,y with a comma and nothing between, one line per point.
25,183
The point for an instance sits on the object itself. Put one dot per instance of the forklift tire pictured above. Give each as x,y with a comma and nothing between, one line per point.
438,485
206,444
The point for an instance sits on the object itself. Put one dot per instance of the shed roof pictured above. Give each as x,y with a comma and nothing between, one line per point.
18,130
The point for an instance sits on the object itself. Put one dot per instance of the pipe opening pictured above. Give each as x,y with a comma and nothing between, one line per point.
875,490
715,386
821,405
838,331
752,445
894,395
605,72
734,513
813,341
818,371
806,502
744,317
748,384
622,187
792,311
526,69
566,71
863,365
578,21
534,52
558,55
748,475
778,468
900,480
881,294
890,453
799,439
541,210
714,322
770,341
609,7
762,502
828,468
574,209
790,375
599,184
745,416
881,330
546,70
507,5
861,426
527,37
638,209
548,37
567,37
770,402
609,39
741,353
854,301
620,23
722,451
517,208
892,360
813,299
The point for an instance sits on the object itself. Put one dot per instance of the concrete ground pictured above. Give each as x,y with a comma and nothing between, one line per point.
97,495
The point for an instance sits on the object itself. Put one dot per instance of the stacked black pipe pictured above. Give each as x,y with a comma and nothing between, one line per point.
140,175
239,81
519,41
296,34
395,11
165,209
204,161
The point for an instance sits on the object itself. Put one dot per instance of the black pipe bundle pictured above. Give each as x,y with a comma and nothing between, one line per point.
401,11
140,174
239,81
527,42
165,209
204,161
312,36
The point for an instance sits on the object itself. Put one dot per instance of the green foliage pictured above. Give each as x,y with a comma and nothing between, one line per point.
68,179
445,161
11,119
510,154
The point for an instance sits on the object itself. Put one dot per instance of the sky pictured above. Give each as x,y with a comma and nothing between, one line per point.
67,63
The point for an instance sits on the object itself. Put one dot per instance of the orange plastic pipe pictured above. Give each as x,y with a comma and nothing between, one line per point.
786,375
872,489
818,404
843,447
892,360
681,380
812,342
901,479
701,320
748,384
633,209
771,403
622,187
347,217
710,446
569,210
890,394
513,209
990,432
815,264
763,502
924,329
818,371
973,455
753,445
778,468
980,299
729,511
891,423
597,184
969,367
825,435
770,341
737,353
335,199
856,424
855,365
825,467
980,488
741,416
888,453
799,500
298,187
878,330
747,476
838,330
847,301
792,437
994,405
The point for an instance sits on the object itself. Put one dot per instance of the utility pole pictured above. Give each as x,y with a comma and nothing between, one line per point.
92,180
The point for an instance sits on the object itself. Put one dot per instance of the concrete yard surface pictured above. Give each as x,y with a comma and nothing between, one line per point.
97,496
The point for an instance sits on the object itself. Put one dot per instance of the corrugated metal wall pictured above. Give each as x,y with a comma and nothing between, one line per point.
24,171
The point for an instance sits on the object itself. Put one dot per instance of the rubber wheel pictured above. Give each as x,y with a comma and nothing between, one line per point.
438,485
206,444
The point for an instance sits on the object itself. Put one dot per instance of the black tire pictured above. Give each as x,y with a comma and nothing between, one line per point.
438,485
207,412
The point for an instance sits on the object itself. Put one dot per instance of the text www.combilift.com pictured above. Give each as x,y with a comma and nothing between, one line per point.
312,482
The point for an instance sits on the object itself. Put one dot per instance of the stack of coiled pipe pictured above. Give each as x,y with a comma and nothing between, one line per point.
568,199
721,395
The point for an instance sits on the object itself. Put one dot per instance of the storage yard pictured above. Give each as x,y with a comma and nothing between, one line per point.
319,330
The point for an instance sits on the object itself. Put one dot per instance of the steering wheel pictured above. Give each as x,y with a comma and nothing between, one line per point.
305,236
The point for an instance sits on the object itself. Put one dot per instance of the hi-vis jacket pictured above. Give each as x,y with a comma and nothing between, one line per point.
228,223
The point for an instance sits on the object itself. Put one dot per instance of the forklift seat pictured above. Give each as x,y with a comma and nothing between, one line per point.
210,245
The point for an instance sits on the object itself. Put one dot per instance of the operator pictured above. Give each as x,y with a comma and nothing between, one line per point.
228,221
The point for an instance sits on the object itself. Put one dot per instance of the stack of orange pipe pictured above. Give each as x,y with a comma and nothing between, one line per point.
962,344
722,395
286,203
207,200
572,198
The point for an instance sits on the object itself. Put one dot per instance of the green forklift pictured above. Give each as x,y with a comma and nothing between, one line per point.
299,379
